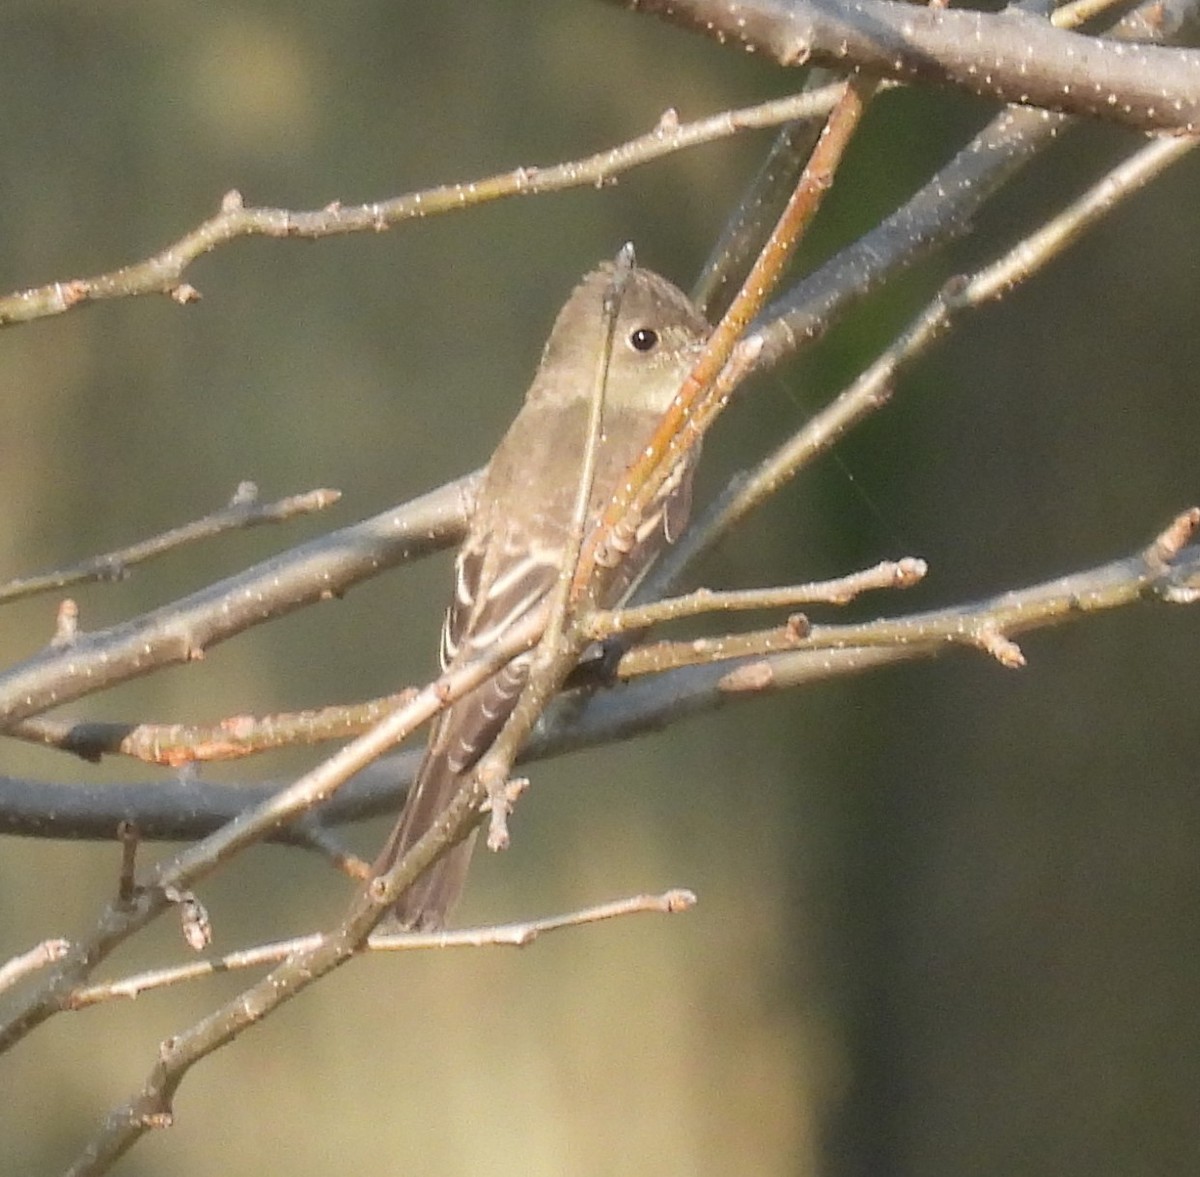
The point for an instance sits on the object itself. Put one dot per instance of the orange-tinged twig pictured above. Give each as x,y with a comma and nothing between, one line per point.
710,383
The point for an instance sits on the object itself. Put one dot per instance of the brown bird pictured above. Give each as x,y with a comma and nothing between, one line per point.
520,527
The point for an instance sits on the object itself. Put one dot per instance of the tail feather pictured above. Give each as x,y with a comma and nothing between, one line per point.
426,904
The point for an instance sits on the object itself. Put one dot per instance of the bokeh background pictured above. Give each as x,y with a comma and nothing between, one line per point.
948,912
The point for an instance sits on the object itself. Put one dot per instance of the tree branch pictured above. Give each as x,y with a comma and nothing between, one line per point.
646,699
166,880
873,388
182,630
1010,55
163,272
243,510
515,935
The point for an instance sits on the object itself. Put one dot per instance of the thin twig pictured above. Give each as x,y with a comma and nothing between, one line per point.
873,388
151,1106
611,308
163,272
242,511
641,700
38,957
515,935
748,226
1050,239
176,744
310,834
888,574
119,921
988,625
127,835
182,630
704,393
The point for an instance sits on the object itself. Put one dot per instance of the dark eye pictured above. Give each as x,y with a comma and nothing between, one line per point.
643,339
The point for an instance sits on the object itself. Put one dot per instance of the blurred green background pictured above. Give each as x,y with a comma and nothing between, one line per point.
947,920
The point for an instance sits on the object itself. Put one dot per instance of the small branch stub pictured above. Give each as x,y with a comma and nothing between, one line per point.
66,624
1174,538
193,918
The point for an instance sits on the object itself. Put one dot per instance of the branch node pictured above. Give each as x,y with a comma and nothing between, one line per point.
753,676
70,293
1004,650
193,918
502,794
1173,538
797,626
909,571
40,955
66,624
246,494
668,122
184,293
680,899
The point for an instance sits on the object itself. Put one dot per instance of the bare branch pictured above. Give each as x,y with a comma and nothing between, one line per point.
242,511
727,358
183,630
661,686
652,702
944,208
748,226
873,389
887,574
151,1106
1010,55
169,880
162,273
646,699
516,935
38,957
183,809
176,744
935,214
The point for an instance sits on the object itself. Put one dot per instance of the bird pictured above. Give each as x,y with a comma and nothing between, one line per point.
519,531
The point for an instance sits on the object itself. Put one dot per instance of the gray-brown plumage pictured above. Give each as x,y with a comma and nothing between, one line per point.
518,533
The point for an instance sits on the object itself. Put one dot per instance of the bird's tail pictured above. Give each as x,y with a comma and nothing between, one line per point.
461,735
427,903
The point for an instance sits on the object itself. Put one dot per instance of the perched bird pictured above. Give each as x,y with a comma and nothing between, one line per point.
519,531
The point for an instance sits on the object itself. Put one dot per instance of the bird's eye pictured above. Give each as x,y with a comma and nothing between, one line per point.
643,339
